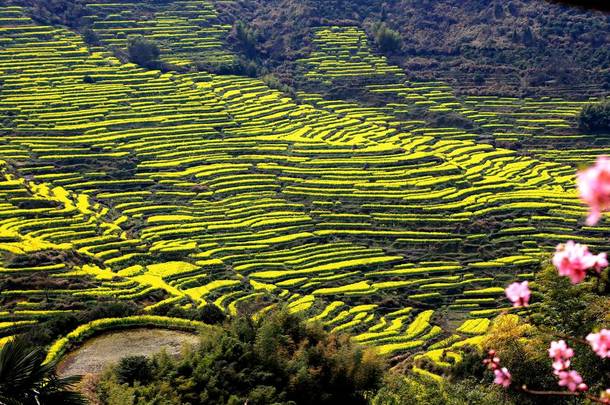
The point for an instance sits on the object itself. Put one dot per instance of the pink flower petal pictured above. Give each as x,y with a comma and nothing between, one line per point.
600,343
519,294
594,188
573,260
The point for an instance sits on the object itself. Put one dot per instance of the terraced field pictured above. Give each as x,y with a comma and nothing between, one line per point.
187,31
184,189
343,53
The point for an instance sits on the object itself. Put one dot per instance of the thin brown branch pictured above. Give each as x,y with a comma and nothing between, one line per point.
550,393
562,394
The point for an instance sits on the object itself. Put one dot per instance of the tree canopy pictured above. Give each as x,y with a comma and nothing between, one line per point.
279,360
595,118
143,52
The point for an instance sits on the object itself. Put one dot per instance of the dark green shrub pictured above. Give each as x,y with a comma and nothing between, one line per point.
143,52
279,360
134,368
211,314
110,309
595,117
56,326
387,39
90,37
246,38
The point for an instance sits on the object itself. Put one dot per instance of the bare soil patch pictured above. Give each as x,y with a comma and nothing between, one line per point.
109,348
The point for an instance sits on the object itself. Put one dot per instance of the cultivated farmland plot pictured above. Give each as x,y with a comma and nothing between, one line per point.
172,189
188,31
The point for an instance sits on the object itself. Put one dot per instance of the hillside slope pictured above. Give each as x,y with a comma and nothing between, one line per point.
172,190
517,47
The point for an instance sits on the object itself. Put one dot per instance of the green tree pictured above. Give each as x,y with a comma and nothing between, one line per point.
143,52
25,380
595,117
211,314
134,368
528,36
277,360
387,39
246,38
90,37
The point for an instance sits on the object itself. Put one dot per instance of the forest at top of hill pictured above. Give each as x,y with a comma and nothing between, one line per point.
516,48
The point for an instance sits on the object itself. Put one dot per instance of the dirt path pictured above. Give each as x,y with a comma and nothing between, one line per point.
109,348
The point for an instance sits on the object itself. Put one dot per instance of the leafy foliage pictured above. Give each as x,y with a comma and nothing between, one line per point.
210,314
595,117
24,380
143,51
90,37
58,325
207,313
134,368
568,307
522,350
246,38
279,360
399,389
387,39
566,310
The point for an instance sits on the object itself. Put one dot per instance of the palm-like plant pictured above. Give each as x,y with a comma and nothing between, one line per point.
25,380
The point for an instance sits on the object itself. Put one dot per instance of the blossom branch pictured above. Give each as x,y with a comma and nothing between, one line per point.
563,394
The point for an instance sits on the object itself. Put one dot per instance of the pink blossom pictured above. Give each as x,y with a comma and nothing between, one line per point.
600,343
492,361
594,188
573,259
561,355
502,377
570,379
560,365
601,262
560,349
519,294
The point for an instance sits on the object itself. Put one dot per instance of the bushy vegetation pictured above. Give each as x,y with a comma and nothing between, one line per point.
387,39
55,326
595,117
506,40
567,312
421,390
25,380
134,368
278,360
143,52
246,38
207,313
